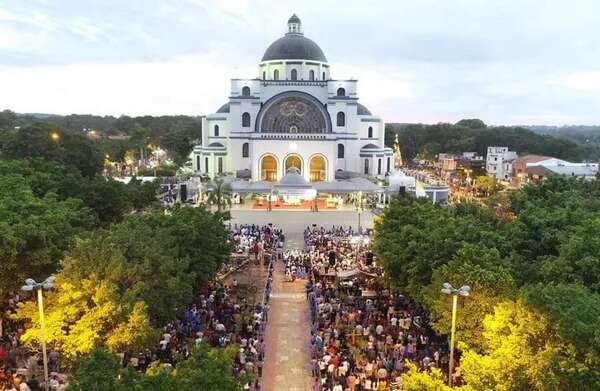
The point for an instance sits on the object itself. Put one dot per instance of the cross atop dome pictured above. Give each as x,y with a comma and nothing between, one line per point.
294,25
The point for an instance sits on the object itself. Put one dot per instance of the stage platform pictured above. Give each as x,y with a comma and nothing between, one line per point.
280,205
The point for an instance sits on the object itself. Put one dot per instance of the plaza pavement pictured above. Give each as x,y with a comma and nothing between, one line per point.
294,222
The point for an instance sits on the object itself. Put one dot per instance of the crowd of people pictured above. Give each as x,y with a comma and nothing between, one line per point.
221,314
21,368
361,335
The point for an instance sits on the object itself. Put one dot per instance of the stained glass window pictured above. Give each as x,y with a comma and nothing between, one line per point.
293,115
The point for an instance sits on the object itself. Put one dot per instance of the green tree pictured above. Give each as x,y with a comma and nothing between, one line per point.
416,380
83,315
115,284
486,184
220,195
7,120
99,372
416,237
35,231
110,200
574,313
474,123
198,237
142,194
206,369
525,353
474,135
490,281
45,141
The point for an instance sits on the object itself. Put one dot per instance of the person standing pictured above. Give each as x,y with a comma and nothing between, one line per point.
316,386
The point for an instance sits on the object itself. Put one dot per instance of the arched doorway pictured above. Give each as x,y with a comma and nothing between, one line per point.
268,168
318,168
292,161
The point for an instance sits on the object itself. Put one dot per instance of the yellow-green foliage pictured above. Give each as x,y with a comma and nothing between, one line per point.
525,353
84,315
416,380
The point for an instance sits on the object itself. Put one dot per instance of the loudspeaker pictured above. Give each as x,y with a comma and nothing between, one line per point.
183,192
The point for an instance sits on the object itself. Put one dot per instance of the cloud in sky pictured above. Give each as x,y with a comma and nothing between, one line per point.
507,62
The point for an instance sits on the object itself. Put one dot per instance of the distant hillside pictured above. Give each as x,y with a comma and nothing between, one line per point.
582,134
473,135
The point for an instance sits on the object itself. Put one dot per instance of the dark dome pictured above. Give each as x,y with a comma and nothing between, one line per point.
370,146
294,47
294,19
224,108
362,110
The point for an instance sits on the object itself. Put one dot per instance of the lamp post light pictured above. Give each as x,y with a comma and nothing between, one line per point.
29,286
359,209
448,289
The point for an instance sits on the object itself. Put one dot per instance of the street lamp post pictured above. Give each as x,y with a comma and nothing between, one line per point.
448,289
30,285
359,209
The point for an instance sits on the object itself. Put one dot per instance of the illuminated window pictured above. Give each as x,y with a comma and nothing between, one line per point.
318,169
268,169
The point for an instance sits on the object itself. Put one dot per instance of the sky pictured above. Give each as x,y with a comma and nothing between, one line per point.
511,62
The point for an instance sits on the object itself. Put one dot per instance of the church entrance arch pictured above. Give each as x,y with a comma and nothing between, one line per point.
292,161
268,168
318,168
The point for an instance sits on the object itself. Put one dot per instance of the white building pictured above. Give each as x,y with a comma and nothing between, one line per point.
498,162
553,166
294,115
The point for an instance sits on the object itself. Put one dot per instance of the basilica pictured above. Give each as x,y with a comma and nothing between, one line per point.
294,117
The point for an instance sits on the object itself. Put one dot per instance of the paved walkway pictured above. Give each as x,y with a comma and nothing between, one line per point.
293,222
287,358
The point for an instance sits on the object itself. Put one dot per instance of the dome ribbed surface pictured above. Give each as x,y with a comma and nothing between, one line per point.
294,47
294,19
362,110
224,108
